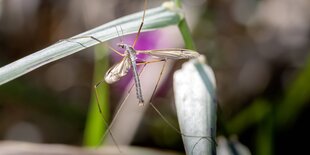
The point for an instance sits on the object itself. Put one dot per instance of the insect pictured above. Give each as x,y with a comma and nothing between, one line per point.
120,69
129,60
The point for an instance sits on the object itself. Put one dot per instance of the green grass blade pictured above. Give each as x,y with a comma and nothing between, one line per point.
95,127
206,114
188,40
155,18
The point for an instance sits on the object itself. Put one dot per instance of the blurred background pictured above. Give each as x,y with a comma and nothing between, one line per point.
258,50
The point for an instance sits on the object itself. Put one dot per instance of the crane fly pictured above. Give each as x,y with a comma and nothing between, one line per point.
129,60
120,69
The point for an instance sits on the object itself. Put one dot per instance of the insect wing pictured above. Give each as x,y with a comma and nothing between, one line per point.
172,53
118,70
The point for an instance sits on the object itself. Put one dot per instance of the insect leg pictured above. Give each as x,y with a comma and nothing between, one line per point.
119,108
71,40
148,62
167,121
100,111
138,34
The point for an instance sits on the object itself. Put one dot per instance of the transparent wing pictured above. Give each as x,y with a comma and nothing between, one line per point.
118,70
171,53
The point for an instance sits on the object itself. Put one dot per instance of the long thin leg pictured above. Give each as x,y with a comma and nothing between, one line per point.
162,116
119,108
114,50
148,62
138,34
91,37
100,111
73,42
158,112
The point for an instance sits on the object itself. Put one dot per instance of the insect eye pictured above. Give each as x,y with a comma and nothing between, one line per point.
121,45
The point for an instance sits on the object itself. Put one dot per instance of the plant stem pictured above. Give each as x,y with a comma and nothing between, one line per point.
211,106
188,40
184,29
95,127
178,3
265,135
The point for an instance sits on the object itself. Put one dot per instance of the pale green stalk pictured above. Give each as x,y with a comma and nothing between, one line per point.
211,110
155,18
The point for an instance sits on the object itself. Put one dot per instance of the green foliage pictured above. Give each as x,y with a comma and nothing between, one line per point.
95,125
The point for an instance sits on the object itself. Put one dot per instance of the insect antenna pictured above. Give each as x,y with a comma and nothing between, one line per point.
122,32
119,36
